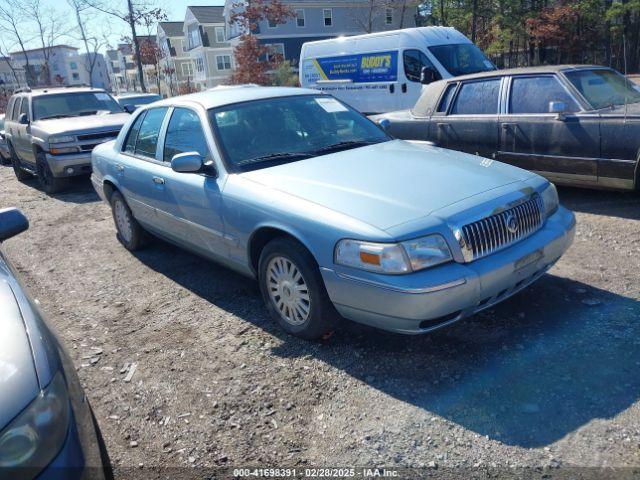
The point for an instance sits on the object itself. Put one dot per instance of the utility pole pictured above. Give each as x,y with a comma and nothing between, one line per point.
136,45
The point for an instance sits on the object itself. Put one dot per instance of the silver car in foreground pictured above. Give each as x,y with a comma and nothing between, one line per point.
331,215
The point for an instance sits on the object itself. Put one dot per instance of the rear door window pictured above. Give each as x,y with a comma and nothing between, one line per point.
414,61
147,141
534,94
478,98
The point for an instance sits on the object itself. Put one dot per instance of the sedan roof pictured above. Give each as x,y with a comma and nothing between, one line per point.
226,96
525,71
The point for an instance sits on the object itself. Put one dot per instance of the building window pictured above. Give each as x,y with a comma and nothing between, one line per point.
272,23
75,76
199,64
274,51
300,17
224,62
73,65
220,36
194,38
389,16
327,13
187,69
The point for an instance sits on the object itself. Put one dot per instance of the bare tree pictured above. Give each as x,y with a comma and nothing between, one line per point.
139,12
92,43
50,27
6,57
12,25
366,15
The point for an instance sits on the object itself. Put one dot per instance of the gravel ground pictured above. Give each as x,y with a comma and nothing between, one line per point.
548,378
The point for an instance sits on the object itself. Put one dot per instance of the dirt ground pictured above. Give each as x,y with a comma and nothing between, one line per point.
549,378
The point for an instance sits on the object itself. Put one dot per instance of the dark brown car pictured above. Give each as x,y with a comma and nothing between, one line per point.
575,125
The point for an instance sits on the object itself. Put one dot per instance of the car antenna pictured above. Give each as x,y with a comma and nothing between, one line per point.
626,76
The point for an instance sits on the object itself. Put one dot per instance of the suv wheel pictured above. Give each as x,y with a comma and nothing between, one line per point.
130,233
293,290
21,174
48,182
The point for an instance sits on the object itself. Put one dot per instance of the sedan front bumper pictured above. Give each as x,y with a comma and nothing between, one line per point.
69,165
430,299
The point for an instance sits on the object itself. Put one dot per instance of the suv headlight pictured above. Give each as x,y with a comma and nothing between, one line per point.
62,139
393,258
36,436
550,200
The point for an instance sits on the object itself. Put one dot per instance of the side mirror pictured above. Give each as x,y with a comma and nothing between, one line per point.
385,124
427,75
558,108
12,222
130,108
23,119
191,162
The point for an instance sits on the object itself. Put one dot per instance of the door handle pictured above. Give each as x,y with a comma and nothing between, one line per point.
404,88
509,126
119,167
392,88
158,180
443,126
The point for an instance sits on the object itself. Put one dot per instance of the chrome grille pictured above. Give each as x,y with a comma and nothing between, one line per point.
490,234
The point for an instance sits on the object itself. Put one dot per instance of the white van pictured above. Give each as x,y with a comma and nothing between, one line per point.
383,72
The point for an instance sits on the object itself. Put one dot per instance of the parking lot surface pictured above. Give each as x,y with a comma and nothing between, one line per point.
183,366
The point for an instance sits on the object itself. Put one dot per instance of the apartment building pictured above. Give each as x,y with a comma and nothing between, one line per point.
207,46
177,66
66,66
11,76
315,20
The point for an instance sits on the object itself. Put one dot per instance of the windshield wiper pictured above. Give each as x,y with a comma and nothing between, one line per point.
275,157
61,115
344,145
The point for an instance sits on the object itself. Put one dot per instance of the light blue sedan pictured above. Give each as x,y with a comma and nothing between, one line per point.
332,216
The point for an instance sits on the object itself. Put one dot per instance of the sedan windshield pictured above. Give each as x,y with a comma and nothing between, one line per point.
137,101
603,87
462,59
73,105
273,131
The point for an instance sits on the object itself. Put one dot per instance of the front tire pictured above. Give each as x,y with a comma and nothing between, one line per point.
130,233
293,290
21,174
48,182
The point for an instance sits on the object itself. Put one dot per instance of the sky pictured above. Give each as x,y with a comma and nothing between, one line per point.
106,26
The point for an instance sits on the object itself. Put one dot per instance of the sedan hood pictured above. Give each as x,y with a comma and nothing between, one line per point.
391,183
84,124
18,380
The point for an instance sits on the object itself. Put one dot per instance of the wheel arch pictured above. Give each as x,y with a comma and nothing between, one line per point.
263,235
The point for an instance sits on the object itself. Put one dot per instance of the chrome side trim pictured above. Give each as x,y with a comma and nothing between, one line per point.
410,291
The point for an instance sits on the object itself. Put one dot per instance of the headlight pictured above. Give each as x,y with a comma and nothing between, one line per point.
393,258
36,436
550,200
62,139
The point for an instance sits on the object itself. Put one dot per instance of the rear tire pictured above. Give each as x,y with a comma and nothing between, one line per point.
130,233
21,174
48,182
293,290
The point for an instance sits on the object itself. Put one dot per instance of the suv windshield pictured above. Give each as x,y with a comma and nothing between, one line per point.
262,133
462,59
73,104
603,87
136,101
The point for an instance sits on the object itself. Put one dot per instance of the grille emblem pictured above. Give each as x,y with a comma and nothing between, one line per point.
512,223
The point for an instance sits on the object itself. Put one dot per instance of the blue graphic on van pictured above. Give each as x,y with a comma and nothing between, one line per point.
360,68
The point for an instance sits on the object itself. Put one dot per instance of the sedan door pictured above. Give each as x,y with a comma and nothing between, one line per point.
563,147
193,209
139,173
471,124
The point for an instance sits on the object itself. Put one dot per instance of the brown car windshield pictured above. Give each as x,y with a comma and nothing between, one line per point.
603,87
